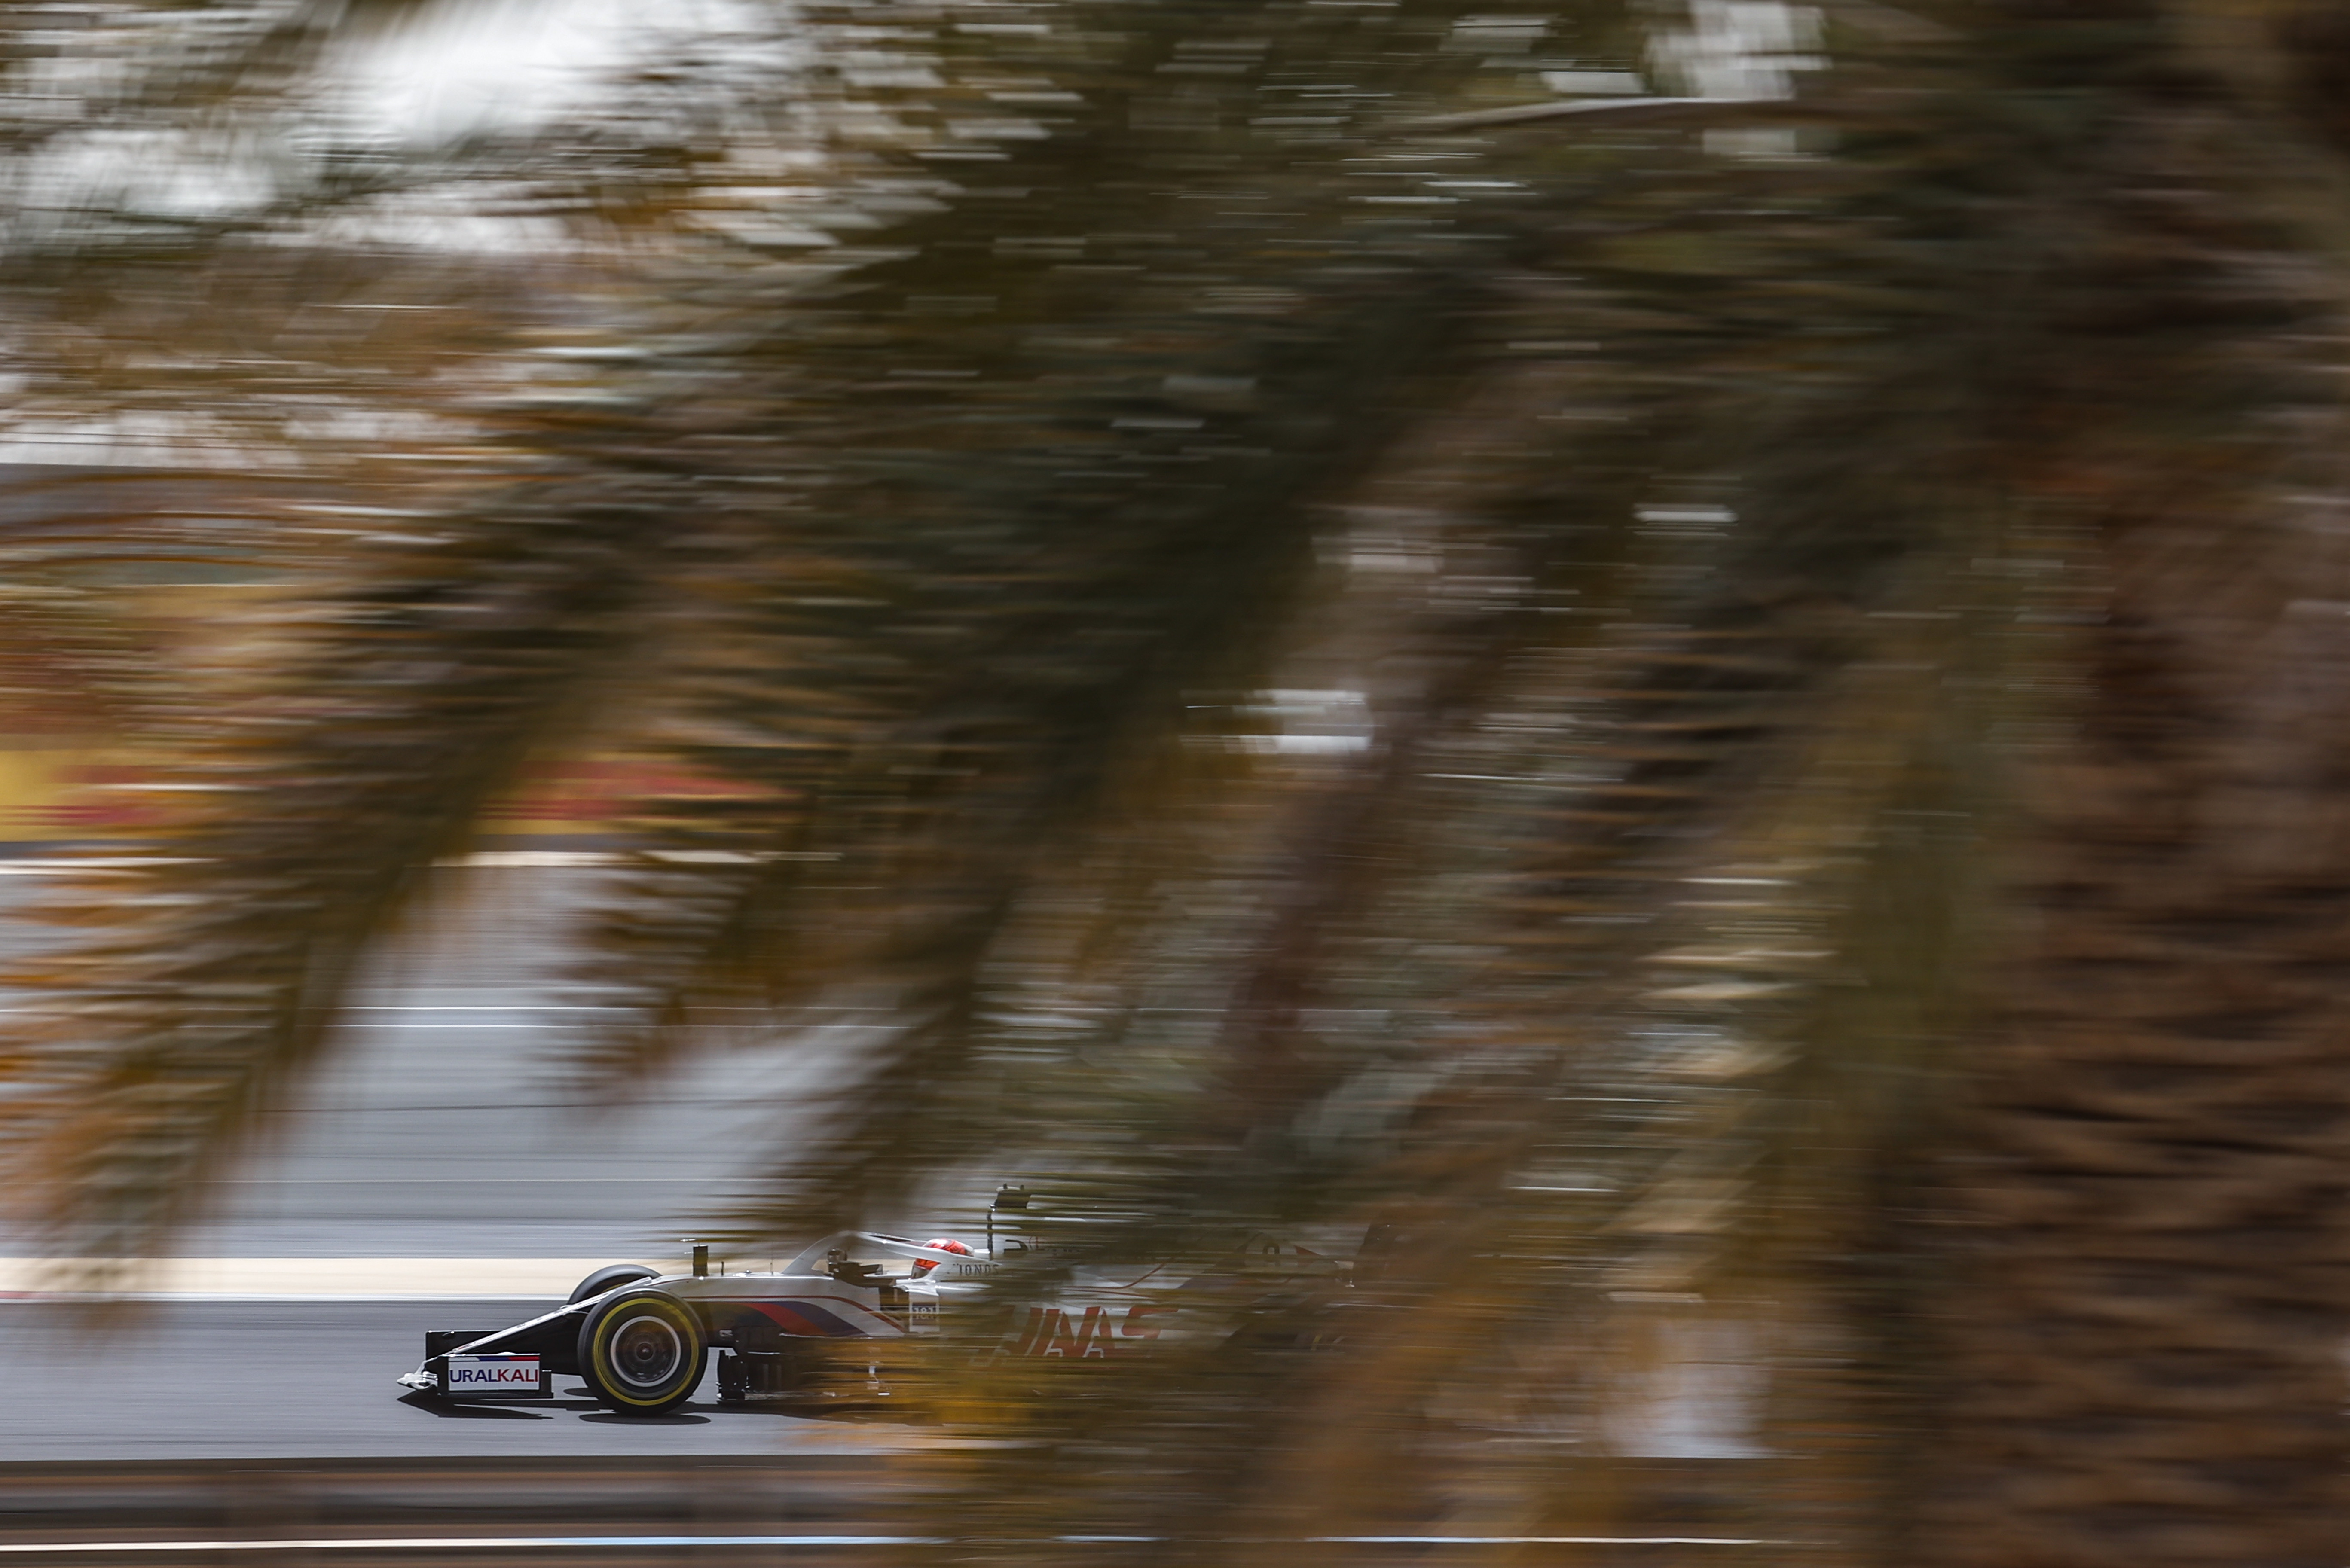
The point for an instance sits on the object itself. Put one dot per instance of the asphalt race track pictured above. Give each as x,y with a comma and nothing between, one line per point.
301,1380
442,1131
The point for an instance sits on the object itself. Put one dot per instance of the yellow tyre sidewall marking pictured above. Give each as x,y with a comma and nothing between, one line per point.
688,1335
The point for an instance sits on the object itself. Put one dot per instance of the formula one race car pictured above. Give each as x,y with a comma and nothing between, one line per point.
640,1339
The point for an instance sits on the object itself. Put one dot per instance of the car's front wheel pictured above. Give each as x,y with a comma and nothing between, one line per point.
642,1353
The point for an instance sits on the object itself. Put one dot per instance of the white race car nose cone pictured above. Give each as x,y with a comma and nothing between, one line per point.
646,1351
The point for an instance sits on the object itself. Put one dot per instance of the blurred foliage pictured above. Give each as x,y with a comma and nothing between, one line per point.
1352,625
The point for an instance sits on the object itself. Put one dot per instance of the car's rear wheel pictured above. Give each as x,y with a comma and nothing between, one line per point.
642,1353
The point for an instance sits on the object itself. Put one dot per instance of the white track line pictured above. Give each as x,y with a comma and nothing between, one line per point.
308,1279
576,1543
1541,1541
475,1543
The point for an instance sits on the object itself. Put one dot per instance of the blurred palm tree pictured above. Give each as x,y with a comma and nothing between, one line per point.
1507,627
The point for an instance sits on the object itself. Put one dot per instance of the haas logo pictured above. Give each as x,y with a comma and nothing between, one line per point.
1098,1331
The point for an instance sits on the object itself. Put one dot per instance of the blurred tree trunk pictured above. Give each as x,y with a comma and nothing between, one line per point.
2150,1327
2146,1327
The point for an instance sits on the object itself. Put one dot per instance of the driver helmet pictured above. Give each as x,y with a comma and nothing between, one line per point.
938,1244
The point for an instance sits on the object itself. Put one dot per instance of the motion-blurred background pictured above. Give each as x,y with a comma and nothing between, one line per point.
1668,677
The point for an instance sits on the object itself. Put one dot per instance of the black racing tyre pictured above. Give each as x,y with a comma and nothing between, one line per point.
642,1353
609,1277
